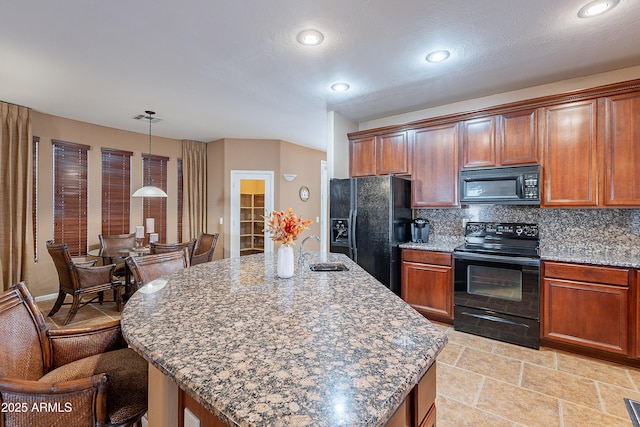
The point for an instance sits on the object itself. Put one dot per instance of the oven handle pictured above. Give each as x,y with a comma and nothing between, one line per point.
497,258
494,318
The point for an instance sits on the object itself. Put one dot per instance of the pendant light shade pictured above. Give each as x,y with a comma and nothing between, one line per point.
149,190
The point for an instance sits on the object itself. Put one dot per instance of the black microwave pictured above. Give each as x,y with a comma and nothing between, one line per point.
514,185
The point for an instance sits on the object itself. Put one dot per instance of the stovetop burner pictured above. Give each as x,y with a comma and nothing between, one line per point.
513,239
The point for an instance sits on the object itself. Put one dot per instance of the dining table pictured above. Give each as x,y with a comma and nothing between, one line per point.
109,255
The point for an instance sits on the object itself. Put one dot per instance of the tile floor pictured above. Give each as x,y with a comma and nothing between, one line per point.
482,382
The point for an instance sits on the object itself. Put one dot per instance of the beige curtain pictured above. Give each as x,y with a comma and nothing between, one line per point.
194,188
16,232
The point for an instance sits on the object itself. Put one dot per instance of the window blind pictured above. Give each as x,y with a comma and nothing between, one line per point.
70,170
116,191
155,167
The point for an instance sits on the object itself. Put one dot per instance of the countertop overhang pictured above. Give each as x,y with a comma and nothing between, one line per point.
321,348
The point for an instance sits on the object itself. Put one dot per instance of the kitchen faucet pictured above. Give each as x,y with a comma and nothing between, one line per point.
301,257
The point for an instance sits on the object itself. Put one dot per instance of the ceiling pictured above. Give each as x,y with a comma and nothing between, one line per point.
233,69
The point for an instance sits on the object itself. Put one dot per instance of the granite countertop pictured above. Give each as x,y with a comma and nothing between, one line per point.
614,256
582,254
321,348
436,243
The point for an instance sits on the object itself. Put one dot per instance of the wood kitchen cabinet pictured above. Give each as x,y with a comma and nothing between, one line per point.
508,139
435,166
362,157
427,283
419,407
518,137
379,155
622,150
479,142
570,167
587,307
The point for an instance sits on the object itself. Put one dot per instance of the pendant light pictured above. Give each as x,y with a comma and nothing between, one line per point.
149,190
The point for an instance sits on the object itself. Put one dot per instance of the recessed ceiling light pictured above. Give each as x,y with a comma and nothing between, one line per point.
438,56
340,87
310,37
596,7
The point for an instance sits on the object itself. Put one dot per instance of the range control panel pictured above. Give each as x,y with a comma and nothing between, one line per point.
512,230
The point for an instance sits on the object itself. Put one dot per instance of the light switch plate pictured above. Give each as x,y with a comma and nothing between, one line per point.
190,420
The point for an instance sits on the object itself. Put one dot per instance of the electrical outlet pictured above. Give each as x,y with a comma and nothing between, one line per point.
190,420
221,220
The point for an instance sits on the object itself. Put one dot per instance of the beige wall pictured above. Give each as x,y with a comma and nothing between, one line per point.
49,127
266,155
305,163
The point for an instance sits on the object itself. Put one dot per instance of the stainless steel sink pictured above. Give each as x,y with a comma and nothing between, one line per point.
328,266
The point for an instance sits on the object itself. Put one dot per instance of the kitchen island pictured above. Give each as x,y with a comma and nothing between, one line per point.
322,348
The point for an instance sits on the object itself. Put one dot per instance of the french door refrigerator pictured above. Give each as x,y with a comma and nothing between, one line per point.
369,218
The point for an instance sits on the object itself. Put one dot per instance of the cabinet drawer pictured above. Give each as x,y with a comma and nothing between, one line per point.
425,397
604,275
427,257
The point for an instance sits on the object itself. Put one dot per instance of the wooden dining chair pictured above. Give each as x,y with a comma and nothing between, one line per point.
79,281
114,242
204,249
146,268
83,376
162,248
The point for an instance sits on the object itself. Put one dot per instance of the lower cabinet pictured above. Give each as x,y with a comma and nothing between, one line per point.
588,307
419,407
427,283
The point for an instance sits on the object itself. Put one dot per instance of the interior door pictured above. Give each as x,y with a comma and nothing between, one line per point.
251,198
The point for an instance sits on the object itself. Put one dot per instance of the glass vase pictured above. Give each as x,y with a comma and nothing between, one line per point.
286,264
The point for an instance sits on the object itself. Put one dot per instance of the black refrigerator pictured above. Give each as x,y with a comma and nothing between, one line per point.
369,218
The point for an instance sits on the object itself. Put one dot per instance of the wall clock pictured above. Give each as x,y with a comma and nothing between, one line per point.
304,193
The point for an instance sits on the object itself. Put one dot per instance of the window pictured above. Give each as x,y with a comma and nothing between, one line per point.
34,197
70,170
155,169
180,200
116,191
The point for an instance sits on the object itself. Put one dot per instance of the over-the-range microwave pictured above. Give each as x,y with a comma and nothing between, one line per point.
514,185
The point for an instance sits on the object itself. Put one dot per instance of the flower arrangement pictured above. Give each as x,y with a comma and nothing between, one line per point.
285,227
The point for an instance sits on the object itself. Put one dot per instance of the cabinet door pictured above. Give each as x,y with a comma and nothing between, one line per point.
570,159
479,142
392,154
586,314
362,157
622,151
428,289
435,167
518,140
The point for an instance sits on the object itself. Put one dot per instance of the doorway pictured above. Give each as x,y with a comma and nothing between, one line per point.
251,200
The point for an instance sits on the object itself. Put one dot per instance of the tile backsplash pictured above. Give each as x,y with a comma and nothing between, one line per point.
597,228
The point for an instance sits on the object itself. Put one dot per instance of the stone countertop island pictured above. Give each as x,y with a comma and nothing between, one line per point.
319,349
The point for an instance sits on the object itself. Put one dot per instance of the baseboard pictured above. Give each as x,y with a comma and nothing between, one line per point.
46,297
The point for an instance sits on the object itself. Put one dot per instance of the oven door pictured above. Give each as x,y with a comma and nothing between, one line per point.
496,283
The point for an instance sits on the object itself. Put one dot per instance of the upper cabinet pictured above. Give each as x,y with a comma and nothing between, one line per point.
587,144
435,166
622,151
503,140
518,138
479,142
570,155
362,156
379,155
